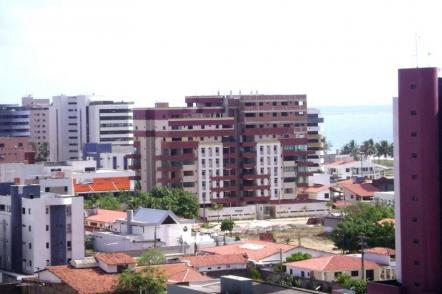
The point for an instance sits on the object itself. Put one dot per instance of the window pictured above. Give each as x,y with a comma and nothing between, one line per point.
47,245
47,210
23,210
30,245
68,211
337,274
30,262
69,245
354,273
29,211
47,228
302,274
29,228
413,112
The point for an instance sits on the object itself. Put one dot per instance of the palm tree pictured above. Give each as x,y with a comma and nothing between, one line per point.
382,148
351,148
368,148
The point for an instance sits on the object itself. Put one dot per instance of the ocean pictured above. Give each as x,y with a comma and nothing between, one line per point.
359,123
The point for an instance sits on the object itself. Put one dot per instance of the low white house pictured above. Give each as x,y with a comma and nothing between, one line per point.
384,198
385,257
319,192
211,263
347,169
144,229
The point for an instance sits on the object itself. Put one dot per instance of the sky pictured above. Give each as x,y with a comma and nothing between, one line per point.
336,52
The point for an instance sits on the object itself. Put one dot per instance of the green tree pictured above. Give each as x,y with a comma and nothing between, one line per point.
368,148
255,273
351,148
359,286
298,256
152,256
382,149
41,151
361,219
150,280
227,225
103,201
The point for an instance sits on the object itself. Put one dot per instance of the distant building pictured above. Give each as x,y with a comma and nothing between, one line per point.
386,198
146,228
68,127
215,263
39,229
357,191
14,121
347,169
102,219
233,150
108,156
385,184
319,192
315,140
329,268
39,119
16,150
262,252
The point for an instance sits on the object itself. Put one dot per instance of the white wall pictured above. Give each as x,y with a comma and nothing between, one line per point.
242,212
220,267
301,209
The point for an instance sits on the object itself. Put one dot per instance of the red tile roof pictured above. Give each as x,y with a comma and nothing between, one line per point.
340,163
181,272
115,258
333,263
317,188
255,250
381,251
107,216
212,260
85,280
362,189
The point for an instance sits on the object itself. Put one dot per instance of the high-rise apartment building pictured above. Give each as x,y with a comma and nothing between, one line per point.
315,140
14,121
77,120
226,149
39,229
110,122
68,127
417,141
39,118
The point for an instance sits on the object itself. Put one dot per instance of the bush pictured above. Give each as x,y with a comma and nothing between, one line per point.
255,274
298,256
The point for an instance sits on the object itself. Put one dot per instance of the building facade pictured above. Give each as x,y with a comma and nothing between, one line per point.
39,119
232,150
14,121
39,229
315,140
68,127
16,149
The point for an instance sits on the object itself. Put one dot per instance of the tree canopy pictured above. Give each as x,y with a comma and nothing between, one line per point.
103,201
149,281
227,225
368,148
361,219
152,256
359,286
298,256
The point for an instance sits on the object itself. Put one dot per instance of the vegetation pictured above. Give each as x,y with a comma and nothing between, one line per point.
362,219
255,274
357,285
368,148
182,203
298,256
227,225
152,256
103,201
149,280
41,151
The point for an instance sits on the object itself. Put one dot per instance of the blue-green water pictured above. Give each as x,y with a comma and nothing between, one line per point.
344,123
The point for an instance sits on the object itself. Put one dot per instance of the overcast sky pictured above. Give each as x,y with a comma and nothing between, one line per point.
336,52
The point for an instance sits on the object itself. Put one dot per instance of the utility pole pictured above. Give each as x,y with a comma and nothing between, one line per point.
363,244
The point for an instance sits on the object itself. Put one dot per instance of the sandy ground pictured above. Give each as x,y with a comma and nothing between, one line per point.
290,230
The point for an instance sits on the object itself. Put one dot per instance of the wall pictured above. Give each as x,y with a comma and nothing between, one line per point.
221,267
301,209
242,212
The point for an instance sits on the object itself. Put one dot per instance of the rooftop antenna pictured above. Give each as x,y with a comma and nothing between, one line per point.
416,41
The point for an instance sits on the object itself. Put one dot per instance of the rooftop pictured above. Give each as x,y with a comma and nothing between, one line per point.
333,263
254,249
381,251
360,189
85,280
155,216
115,258
181,273
208,260
107,216
317,188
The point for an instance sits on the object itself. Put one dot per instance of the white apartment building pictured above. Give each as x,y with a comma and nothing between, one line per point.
39,229
39,118
68,127
269,161
76,120
110,122
346,169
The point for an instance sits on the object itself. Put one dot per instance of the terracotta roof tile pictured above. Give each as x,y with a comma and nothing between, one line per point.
85,280
255,250
362,189
333,263
209,260
115,258
107,216
317,188
181,272
381,251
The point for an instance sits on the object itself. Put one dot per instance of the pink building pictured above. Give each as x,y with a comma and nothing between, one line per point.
417,184
16,150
